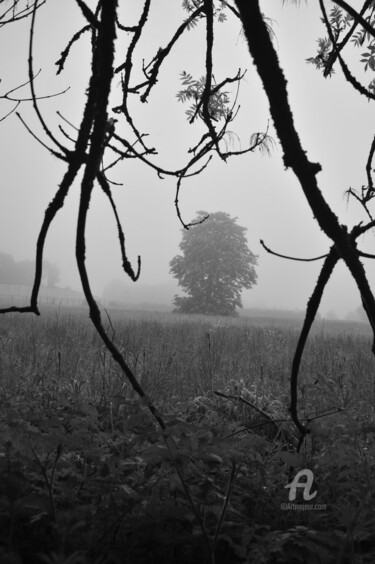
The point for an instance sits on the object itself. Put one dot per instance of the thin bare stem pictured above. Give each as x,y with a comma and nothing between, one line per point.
311,311
289,257
31,80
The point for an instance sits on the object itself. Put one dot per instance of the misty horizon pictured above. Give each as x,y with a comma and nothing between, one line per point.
257,189
121,293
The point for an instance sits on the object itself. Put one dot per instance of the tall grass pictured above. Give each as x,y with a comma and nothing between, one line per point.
177,358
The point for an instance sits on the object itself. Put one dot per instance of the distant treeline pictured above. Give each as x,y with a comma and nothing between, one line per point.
22,272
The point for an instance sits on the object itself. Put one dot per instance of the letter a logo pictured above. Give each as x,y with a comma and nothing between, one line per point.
306,486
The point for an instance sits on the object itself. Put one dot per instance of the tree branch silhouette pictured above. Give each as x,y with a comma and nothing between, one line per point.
338,47
348,75
17,15
356,15
275,85
290,257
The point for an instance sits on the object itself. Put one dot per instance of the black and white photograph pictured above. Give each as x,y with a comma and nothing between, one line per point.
187,282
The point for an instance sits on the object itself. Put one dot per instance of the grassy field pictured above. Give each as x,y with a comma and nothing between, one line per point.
84,468
179,357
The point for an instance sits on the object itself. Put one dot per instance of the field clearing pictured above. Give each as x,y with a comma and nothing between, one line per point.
176,356
79,450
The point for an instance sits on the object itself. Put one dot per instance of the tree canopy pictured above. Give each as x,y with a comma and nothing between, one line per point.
215,265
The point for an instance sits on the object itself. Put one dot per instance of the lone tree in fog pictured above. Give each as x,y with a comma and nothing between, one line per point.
215,265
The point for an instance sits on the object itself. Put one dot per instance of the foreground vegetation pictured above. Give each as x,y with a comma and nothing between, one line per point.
85,476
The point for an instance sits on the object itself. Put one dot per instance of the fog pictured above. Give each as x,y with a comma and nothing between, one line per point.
334,123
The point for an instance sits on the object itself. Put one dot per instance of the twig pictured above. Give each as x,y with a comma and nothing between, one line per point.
64,54
125,262
31,80
163,53
289,257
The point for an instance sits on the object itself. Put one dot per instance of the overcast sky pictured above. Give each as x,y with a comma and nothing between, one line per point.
334,122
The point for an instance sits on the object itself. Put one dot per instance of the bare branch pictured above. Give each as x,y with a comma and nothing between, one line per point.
10,112
88,14
360,199
370,190
24,13
289,257
31,79
163,53
125,262
239,76
204,102
7,96
311,310
127,68
64,54
232,9
366,255
52,151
